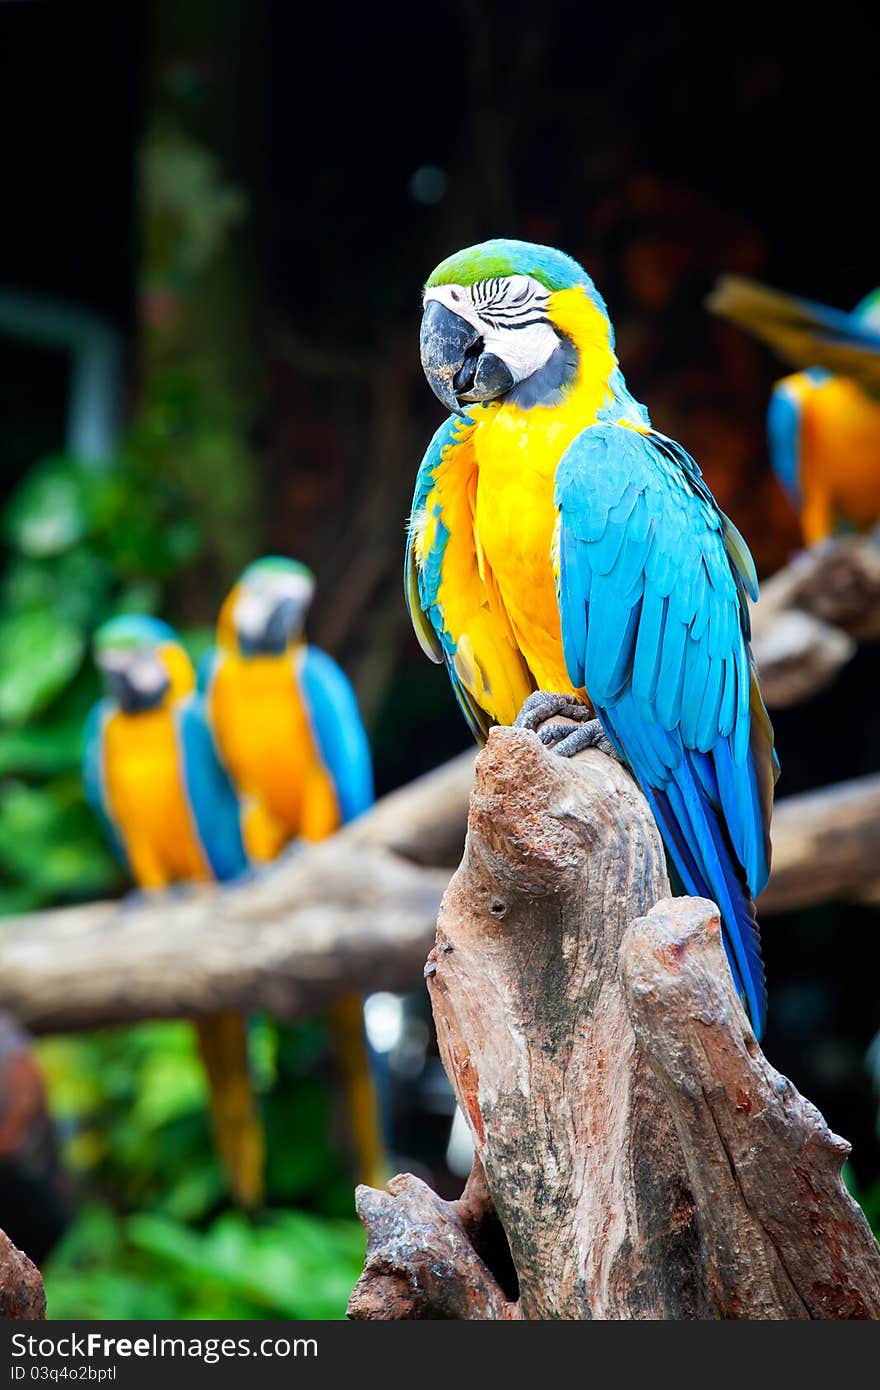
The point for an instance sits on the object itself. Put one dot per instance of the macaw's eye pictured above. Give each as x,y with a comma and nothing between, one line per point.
520,297
454,295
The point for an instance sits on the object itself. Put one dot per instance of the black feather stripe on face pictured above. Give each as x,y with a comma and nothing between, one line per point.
504,303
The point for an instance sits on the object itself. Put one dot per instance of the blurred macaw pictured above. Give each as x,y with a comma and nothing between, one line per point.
152,775
566,558
824,421
288,729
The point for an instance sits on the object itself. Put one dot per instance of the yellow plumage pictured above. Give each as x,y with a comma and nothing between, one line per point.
839,454
263,732
495,488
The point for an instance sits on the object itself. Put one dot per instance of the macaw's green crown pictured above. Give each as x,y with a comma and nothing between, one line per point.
502,257
130,631
868,310
275,564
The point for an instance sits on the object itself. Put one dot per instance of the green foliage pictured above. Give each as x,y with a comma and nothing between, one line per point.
154,1237
868,1197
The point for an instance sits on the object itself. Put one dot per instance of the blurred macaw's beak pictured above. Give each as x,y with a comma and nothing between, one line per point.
136,685
285,621
266,624
459,372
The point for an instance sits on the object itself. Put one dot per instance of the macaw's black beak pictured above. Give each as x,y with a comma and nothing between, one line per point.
459,372
130,698
285,620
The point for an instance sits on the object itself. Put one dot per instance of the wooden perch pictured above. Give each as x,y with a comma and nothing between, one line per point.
355,912
826,844
812,614
641,1155
336,918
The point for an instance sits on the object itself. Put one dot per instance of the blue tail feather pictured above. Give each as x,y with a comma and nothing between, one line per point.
699,848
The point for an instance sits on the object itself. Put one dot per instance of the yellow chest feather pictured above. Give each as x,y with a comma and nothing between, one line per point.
147,798
264,735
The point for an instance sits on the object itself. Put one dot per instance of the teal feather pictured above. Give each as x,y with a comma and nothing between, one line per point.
94,783
339,732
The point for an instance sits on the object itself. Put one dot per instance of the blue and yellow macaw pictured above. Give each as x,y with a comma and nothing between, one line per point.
824,420
566,558
288,729
153,777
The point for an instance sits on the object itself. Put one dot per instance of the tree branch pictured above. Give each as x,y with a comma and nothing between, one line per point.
826,844
356,912
812,614
337,917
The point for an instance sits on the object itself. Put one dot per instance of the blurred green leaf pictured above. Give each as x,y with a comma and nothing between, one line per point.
15,898
49,840
290,1263
48,511
171,1084
39,653
41,750
86,1275
75,586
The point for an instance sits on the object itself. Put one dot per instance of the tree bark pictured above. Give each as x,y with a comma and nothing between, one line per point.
782,1236
616,1097
21,1286
424,1255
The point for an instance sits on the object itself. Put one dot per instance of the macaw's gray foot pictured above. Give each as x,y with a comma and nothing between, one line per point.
562,738
543,704
566,741
139,897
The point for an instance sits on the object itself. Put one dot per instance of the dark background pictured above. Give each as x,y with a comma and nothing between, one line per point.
660,145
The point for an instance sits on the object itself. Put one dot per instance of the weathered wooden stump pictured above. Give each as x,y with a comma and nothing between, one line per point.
21,1285
636,1156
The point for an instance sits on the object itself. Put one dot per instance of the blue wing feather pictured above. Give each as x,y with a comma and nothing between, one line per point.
655,625
422,581
212,799
93,776
338,730
206,670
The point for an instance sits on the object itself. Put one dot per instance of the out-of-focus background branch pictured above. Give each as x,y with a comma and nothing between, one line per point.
218,224
357,911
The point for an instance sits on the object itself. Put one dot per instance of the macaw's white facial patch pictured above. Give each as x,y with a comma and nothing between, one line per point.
148,674
510,314
143,668
263,594
251,613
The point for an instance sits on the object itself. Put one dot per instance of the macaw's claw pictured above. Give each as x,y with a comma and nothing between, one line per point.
563,738
566,741
543,704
